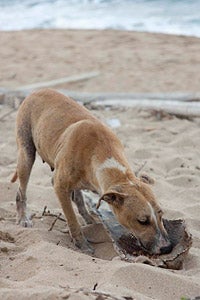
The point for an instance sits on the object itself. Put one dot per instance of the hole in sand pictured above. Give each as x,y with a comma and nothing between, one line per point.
126,245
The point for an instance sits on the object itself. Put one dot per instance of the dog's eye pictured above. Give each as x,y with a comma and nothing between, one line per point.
144,222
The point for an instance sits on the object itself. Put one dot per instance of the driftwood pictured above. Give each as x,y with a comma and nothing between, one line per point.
179,104
88,97
179,108
75,78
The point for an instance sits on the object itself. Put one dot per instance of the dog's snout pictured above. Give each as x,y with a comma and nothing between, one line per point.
167,249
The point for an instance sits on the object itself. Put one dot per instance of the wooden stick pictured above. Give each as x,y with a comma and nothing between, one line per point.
46,213
180,104
88,97
191,109
44,210
54,222
69,79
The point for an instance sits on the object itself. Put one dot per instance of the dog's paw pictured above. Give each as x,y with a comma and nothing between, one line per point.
84,245
25,222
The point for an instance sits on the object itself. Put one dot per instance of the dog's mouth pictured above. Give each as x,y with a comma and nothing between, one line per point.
153,250
134,246
146,250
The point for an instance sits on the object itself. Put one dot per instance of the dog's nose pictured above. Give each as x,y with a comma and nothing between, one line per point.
166,249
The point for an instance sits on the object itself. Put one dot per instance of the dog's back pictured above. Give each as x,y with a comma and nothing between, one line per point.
46,116
46,107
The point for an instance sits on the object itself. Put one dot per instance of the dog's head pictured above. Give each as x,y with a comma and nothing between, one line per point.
136,208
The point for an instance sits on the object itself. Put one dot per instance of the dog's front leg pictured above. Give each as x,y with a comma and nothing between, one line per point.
77,197
64,195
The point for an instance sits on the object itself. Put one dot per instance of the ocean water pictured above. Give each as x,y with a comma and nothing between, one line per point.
167,16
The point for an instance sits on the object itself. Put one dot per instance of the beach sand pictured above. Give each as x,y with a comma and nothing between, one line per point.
127,61
40,264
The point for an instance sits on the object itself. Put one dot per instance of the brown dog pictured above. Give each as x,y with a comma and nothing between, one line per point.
85,154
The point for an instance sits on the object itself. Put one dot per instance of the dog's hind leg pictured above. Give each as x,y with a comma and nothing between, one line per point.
26,158
77,197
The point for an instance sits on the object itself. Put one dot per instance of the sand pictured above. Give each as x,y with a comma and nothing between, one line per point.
127,61
40,264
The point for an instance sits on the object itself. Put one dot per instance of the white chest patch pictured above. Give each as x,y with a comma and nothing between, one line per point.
111,163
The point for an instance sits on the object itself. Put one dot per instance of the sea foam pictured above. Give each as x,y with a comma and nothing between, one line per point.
173,17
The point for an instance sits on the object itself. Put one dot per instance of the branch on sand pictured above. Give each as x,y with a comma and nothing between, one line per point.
69,79
47,213
172,107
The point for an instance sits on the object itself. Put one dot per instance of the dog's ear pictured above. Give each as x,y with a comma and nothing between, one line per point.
147,179
113,198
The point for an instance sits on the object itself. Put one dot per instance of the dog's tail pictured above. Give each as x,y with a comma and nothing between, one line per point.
15,176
